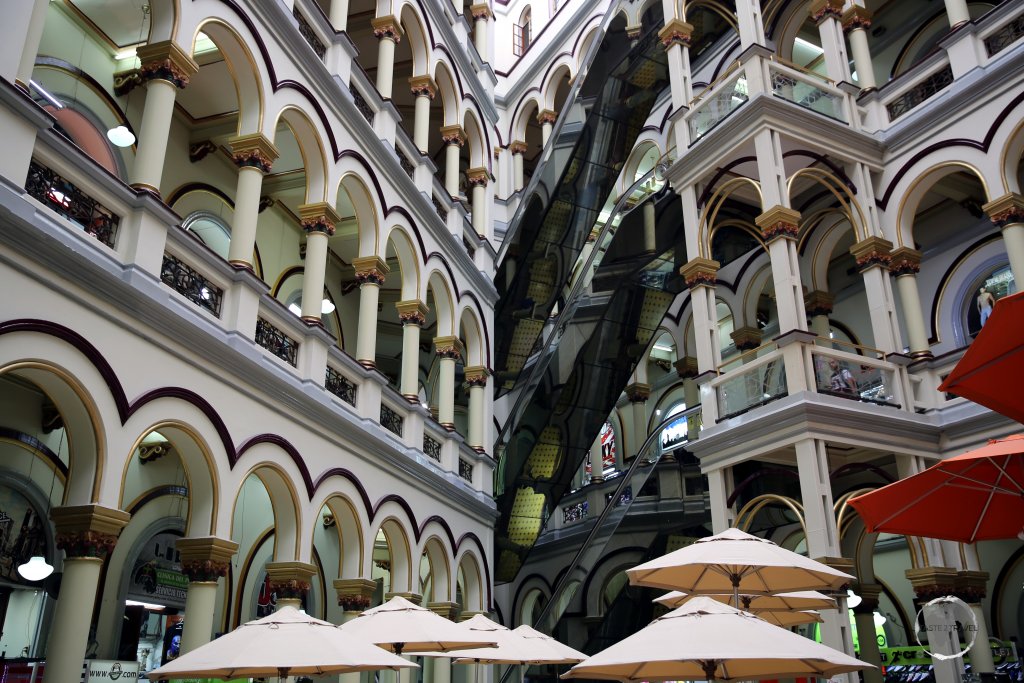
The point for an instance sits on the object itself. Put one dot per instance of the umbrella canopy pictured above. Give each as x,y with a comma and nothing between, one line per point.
787,619
972,497
401,626
522,645
736,562
286,642
989,372
704,640
780,602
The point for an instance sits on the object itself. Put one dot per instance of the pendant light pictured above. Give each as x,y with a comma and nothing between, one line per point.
37,568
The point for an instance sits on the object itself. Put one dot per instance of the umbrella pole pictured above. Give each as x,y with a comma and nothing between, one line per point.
282,674
735,590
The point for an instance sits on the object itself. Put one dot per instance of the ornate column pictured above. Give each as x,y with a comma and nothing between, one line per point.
203,561
253,155
454,138
905,265
477,179
370,274
318,221
412,314
449,350
818,305
650,236
638,393
355,596
476,379
856,22
873,256
701,276
290,581
546,119
956,11
481,14
388,32
780,227
864,617
518,149
87,534
930,583
165,69
971,587
423,89
1007,213
828,15
676,37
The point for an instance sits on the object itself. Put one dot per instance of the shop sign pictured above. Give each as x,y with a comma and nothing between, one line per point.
157,575
1002,651
109,670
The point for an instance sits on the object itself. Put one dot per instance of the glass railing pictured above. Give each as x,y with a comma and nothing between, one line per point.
856,377
715,104
809,91
754,384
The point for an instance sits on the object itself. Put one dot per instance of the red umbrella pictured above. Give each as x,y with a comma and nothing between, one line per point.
972,497
989,373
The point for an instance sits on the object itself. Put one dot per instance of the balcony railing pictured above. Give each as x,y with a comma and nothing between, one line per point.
711,108
808,91
277,342
857,378
407,165
64,197
191,284
1005,36
576,512
309,35
340,386
919,93
757,383
432,448
465,469
361,104
391,420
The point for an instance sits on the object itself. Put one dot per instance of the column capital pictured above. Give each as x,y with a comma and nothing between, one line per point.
971,586
517,147
932,582
819,303
476,375
477,176
638,392
1005,210
370,270
547,116
777,222
414,598
448,610
291,579
423,85
857,17
354,595
905,261
676,32
453,135
843,564
633,32
412,312
869,593
700,272
823,9
88,530
481,10
686,367
449,347
166,61
253,151
871,252
466,616
746,338
319,217
387,27
207,558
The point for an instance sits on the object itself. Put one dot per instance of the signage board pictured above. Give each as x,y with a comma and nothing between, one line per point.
103,670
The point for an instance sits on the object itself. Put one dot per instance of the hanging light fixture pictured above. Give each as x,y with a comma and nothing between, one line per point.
121,136
327,306
37,568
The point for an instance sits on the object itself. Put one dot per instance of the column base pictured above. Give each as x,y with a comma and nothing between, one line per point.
918,355
368,364
312,321
242,265
448,426
146,187
21,84
479,449
411,398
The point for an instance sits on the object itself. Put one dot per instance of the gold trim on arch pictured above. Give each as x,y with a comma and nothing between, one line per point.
1004,155
842,504
341,545
745,517
746,298
86,400
36,453
235,617
231,70
290,485
369,200
944,285
746,226
447,568
302,149
727,14
921,177
391,552
714,204
412,248
834,185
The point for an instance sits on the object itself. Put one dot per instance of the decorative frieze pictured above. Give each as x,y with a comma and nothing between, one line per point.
166,61
700,272
88,531
205,559
547,116
819,303
253,151
971,586
423,86
290,580
871,252
633,32
476,376
932,582
676,32
779,222
638,392
387,27
905,261
857,17
453,135
319,217
1006,210
449,347
412,312
370,270
477,176
414,598
823,9
355,595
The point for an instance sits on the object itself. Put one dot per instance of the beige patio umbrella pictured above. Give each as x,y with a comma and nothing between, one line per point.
787,619
522,645
288,642
707,640
736,562
780,602
405,628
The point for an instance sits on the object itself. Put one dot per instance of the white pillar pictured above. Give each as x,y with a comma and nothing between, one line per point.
956,11
424,90
371,272
412,315
454,138
518,149
818,305
481,13
318,221
638,393
388,33
339,15
906,263
720,486
597,461
856,22
751,25
700,276
827,14
20,35
476,378
780,227
1007,213
873,258
477,179
200,601
650,236
165,68
449,350
253,154
546,119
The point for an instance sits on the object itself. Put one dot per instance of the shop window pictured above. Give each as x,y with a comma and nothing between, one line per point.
979,301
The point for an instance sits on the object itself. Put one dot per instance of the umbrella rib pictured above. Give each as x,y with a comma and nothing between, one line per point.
981,516
985,484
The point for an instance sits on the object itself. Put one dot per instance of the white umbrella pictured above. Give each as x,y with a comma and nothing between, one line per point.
707,640
522,645
737,562
403,627
780,602
287,642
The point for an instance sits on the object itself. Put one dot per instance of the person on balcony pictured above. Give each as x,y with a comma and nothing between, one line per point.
842,380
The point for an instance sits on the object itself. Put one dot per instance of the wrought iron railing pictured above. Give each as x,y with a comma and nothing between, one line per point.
746,388
309,35
191,284
1006,36
391,420
439,207
407,166
276,341
714,109
431,447
919,93
361,104
576,512
466,469
340,386
807,94
67,199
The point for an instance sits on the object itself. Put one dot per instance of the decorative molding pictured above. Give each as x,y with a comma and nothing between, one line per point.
1005,210
700,272
547,116
412,312
686,367
199,150
905,261
319,217
871,252
822,9
779,222
857,17
971,586
387,27
423,85
481,11
819,303
166,61
476,376
414,598
453,135
448,610
355,595
676,32
370,270
746,338
518,147
253,151
449,347
638,392
290,580
88,531
869,594
477,176
932,582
